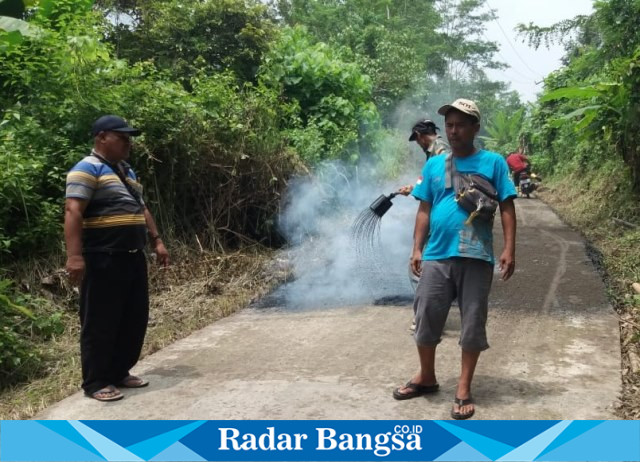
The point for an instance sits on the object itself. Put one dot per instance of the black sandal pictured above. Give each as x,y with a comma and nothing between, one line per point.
416,390
462,402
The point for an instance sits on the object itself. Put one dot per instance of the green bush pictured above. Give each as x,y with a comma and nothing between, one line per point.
334,96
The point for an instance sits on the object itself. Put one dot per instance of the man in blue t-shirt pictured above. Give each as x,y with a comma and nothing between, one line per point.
458,259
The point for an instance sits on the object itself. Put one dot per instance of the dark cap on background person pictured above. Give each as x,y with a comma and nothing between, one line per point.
463,105
113,123
425,126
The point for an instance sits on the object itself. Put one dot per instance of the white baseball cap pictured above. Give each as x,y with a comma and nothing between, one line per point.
463,105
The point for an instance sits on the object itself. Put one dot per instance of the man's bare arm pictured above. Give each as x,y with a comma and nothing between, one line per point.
508,256
420,234
73,212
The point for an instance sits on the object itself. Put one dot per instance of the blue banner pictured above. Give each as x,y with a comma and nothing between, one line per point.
333,440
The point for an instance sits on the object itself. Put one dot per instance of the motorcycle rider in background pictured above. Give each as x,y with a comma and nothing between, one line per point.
518,163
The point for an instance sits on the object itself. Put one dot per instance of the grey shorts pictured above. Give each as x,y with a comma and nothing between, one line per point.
468,280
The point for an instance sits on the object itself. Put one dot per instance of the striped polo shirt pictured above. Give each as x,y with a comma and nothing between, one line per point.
113,220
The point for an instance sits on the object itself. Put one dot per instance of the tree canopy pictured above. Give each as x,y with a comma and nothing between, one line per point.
594,98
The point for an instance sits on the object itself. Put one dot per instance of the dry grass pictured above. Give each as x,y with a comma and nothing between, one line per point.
195,291
596,210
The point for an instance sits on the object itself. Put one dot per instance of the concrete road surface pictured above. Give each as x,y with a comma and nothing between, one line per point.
555,353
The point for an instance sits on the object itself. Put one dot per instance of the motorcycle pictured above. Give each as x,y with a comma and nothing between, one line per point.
529,182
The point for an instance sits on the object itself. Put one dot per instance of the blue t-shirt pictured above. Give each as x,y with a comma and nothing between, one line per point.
449,236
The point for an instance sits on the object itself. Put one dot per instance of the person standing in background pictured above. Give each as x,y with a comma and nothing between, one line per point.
425,134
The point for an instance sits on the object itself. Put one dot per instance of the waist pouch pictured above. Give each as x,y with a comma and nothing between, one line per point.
474,193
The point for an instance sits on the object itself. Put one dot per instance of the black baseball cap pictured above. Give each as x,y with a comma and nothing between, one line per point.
424,126
112,123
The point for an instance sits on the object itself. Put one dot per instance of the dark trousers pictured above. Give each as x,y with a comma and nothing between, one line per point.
114,311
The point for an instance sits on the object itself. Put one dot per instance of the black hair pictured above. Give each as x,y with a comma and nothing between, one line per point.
425,127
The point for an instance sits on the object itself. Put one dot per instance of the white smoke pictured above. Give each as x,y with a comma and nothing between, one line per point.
318,214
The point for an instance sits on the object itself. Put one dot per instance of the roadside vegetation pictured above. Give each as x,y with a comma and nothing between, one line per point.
237,97
584,136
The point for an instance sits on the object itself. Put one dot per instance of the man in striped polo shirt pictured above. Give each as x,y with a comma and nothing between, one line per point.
106,226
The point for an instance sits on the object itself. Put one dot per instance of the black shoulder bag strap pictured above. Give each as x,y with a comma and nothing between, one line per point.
117,171
450,173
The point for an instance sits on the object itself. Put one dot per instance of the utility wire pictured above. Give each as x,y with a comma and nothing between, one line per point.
511,44
525,76
511,68
510,79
